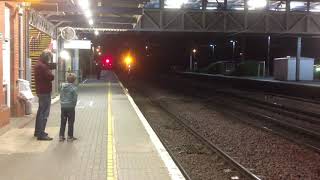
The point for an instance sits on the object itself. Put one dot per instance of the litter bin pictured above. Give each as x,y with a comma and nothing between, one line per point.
26,94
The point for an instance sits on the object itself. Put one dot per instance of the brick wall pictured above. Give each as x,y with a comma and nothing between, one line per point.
17,106
4,110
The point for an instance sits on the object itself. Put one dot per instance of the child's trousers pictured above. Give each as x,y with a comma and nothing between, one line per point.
67,115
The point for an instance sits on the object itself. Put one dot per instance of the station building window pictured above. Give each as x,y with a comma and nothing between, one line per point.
277,5
298,6
153,4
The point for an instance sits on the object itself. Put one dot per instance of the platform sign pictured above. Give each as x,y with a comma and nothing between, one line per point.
77,44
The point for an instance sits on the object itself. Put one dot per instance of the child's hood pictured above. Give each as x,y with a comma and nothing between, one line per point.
67,87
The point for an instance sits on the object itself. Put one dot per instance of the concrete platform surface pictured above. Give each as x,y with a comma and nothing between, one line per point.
114,142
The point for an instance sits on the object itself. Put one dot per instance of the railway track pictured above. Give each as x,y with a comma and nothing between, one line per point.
244,173
297,121
305,122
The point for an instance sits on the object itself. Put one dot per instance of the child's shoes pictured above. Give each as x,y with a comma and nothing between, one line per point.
61,138
70,139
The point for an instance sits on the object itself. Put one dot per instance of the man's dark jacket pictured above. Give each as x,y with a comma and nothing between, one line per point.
43,78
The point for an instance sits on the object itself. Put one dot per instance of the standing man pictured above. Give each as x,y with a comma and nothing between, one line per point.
43,78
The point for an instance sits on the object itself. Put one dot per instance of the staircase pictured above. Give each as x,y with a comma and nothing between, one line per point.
38,41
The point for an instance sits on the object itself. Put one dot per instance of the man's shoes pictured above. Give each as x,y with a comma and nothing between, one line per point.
36,135
61,138
45,138
70,139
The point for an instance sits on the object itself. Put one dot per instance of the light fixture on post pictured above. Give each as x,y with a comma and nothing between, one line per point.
192,55
233,48
213,48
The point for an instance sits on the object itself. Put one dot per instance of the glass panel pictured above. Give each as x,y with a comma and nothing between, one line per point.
235,4
153,4
215,4
188,4
277,6
315,6
298,6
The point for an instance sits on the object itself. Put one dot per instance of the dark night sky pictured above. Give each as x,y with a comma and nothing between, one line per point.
168,49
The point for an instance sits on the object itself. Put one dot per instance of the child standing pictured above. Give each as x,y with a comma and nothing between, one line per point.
68,101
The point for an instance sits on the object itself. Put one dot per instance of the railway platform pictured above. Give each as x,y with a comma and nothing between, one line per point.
303,89
114,142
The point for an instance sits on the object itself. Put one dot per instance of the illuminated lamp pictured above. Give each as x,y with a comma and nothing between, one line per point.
255,4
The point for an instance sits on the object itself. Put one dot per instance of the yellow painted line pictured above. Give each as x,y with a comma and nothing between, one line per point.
111,162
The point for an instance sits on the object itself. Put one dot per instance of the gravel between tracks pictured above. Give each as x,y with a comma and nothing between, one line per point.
199,162
266,154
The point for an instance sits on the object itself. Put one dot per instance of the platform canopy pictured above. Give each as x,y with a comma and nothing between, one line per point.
293,17
122,14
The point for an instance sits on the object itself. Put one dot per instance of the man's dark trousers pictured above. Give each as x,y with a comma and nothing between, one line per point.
42,114
67,115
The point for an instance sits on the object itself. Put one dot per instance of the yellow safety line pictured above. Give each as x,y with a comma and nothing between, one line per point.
111,165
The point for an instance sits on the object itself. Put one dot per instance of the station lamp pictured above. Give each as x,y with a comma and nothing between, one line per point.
175,3
84,4
257,4
194,50
96,32
65,55
88,13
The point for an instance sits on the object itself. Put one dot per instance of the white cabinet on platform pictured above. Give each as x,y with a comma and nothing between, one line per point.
285,69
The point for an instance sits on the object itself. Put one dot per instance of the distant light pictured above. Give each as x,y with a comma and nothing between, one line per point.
146,47
256,4
128,59
84,4
318,69
99,53
85,38
90,22
88,13
96,32
65,55
194,50
175,3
